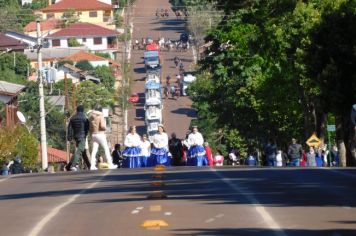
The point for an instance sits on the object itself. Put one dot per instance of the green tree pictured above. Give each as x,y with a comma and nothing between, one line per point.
69,17
89,94
106,77
84,65
72,42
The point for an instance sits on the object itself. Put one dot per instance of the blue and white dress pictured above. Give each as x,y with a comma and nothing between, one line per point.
159,153
196,153
145,152
132,152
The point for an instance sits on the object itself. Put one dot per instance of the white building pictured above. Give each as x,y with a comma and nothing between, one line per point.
94,37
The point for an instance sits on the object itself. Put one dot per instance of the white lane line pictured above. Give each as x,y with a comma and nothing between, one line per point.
219,216
135,212
47,218
168,213
139,208
3,179
346,207
261,210
209,220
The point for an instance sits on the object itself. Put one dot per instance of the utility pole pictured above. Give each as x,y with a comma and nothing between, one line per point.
124,75
67,114
42,104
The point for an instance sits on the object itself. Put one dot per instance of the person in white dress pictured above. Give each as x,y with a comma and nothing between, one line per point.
159,152
145,150
132,152
196,153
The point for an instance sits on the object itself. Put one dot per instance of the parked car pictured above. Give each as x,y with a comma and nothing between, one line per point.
134,98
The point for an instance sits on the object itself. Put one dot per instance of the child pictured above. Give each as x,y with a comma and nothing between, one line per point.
218,159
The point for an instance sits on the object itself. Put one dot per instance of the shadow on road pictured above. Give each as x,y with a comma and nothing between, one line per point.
271,187
190,112
264,232
140,70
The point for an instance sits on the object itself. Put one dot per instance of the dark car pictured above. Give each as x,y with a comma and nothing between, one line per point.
184,37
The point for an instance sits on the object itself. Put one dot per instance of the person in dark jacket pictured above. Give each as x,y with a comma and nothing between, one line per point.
78,129
117,155
270,153
295,153
176,149
16,167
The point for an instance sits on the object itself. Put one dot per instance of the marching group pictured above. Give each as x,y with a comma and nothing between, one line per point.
138,152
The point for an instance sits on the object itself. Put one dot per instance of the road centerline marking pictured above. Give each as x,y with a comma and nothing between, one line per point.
47,218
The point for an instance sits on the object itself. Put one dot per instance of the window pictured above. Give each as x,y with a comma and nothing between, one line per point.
93,14
97,41
84,40
49,15
56,42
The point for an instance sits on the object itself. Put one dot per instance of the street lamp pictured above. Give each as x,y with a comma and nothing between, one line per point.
22,120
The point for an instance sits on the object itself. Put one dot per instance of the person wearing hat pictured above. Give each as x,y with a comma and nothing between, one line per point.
132,153
196,153
159,152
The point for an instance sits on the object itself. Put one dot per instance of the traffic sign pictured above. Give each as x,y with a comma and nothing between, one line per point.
313,141
331,128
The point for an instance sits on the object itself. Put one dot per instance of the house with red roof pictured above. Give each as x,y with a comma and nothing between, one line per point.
47,27
94,37
98,12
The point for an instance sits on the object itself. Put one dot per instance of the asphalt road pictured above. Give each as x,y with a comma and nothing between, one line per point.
200,201
177,113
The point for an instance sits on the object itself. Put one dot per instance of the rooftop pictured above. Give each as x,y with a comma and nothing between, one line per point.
57,100
77,5
11,89
7,42
82,55
83,29
54,155
45,25
53,53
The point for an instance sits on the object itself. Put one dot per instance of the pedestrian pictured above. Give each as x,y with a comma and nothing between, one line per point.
168,79
209,154
311,157
132,153
16,167
319,158
166,90
176,149
97,126
251,160
176,61
334,157
5,169
234,159
78,129
279,158
270,153
145,150
294,153
117,155
173,91
159,152
218,159
196,153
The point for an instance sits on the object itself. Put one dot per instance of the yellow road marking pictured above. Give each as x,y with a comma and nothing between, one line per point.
154,224
155,208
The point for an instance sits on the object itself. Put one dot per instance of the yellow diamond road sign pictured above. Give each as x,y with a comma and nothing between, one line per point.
313,141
